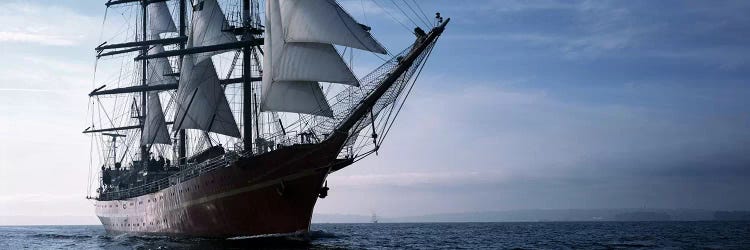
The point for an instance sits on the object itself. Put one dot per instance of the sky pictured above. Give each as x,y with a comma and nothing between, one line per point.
522,105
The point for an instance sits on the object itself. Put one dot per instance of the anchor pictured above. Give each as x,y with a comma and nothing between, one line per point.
324,191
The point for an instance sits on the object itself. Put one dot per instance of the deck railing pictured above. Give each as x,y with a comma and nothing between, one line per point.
185,173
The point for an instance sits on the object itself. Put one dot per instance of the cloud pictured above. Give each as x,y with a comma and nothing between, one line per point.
44,204
43,24
505,6
358,7
492,145
39,73
44,39
589,30
38,197
702,34
25,90
367,10
417,179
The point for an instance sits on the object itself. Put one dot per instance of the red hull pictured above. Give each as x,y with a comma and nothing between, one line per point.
270,194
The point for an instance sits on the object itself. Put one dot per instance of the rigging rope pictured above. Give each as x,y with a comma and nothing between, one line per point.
423,13
408,92
97,140
427,23
111,122
91,164
364,13
392,17
89,110
404,12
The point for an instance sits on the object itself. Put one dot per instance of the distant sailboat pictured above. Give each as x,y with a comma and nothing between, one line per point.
250,152
374,218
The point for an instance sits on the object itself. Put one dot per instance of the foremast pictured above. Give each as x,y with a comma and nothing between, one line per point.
247,86
144,82
182,135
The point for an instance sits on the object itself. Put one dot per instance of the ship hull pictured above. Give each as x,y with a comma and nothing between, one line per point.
268,195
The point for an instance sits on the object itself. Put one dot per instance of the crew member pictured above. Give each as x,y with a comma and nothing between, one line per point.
151,162
161,162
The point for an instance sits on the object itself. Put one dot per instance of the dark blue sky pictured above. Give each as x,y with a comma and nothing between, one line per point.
578,104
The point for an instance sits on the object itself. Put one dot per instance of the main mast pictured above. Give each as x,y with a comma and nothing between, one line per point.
144,83
247,87
182,136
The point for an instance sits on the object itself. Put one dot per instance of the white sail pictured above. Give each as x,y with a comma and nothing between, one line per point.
155,128
324,21
312,62
159,19
201,103
208,24
297,97
159,68
292,70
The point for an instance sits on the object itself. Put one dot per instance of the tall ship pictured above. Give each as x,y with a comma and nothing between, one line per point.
223,118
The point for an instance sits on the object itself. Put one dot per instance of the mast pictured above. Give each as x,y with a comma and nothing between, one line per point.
144,83
247,87
199,94
182,136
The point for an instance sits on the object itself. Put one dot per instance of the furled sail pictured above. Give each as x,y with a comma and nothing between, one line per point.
201,103
299,53
209,23
155,128
324,21
159,19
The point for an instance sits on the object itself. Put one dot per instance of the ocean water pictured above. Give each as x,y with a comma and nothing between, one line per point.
532,235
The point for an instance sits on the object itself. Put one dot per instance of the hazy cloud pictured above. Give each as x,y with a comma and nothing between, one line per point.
43,24
417,179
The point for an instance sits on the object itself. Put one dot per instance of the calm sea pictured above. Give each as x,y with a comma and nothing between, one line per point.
542,235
